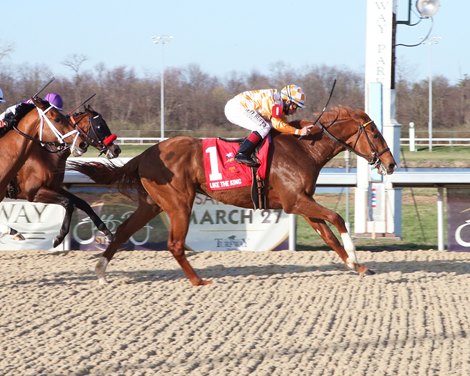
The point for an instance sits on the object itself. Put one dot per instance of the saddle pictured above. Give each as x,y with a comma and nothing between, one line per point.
258,184
223,172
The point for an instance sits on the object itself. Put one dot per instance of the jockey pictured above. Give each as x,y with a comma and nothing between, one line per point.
261,110
2,124
54,99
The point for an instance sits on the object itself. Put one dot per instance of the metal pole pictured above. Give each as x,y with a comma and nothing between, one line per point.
162,101
346,214
430,101
412,137
430,42
292,232
162,39
440,219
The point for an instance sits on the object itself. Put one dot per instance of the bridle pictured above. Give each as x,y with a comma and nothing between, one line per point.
374,159
51,146
92,136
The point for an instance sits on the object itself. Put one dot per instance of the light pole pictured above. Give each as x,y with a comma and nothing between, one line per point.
430,42
162,39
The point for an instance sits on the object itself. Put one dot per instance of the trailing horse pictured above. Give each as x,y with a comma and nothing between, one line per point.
169,174
40,178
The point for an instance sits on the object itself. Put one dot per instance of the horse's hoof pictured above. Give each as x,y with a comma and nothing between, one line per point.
363,270
366,272
15,235
202,282
57,241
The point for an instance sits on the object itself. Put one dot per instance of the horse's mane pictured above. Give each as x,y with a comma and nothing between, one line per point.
22,110
342,113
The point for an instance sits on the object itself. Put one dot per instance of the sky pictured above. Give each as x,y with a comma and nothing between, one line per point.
223,37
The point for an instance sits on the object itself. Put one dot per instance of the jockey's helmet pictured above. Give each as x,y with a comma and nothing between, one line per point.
1,96
55,100
293,93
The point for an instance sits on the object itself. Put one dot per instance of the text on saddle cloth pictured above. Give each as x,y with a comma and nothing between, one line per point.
221,169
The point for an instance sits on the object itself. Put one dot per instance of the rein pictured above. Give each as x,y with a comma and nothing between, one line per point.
362,129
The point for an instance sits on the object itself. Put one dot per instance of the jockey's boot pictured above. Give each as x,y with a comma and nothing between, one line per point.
247,147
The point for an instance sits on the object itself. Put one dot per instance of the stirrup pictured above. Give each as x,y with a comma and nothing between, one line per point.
246,160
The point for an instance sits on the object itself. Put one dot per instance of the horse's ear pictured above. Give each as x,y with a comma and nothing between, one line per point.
38,102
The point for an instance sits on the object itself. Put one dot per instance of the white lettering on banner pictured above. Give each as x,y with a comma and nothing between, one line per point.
378,51
38,223
86,226
214,173
458,234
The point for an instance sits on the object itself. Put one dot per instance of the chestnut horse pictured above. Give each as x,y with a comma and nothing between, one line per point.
169,174
40,178
39,124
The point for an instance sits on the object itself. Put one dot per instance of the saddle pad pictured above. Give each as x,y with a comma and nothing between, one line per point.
221,169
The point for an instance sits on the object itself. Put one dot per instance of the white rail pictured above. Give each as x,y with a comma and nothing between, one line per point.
404,141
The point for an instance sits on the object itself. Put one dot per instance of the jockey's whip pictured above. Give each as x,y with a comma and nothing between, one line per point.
326,105
46,85
82,104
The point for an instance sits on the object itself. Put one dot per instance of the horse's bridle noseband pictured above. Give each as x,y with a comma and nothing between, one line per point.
91,136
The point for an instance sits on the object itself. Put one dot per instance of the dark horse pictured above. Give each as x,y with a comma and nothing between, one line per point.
40,178
169,174
39,122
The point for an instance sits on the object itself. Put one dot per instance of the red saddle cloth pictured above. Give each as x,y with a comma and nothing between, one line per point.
222,171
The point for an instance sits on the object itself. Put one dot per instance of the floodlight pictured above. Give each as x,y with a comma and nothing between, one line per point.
427,8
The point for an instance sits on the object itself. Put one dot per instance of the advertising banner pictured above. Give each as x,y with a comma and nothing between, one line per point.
219,227
458,219
38,223
213,226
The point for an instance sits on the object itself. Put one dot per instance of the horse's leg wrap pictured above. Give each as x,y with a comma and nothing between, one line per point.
100,270
350,249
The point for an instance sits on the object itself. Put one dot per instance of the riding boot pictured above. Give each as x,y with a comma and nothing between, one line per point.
247,147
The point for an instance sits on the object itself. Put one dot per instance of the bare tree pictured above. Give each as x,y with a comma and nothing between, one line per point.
5,50
74,62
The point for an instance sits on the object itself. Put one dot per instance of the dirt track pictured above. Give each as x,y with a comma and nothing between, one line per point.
278,313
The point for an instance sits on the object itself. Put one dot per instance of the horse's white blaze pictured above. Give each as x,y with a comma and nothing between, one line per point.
100,270
349,247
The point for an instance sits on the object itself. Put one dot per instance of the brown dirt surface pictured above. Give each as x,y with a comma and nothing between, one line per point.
270,313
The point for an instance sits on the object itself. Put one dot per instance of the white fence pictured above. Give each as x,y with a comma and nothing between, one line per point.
404,141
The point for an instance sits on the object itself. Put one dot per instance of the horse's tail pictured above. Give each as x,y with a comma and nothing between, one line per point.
125,177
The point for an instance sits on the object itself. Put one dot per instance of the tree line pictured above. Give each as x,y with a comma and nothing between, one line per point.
195,99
